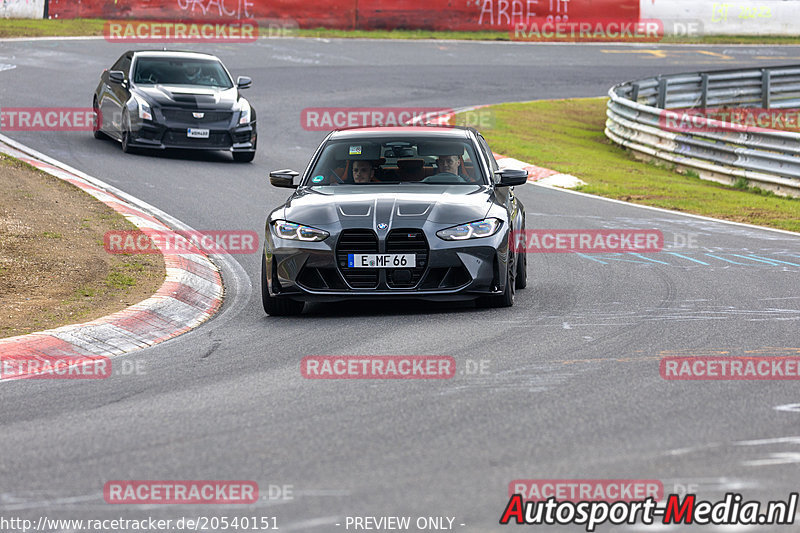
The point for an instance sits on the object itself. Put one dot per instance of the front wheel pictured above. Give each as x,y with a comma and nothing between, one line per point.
522,270
244,157
97,132
273,305
126,133
507,298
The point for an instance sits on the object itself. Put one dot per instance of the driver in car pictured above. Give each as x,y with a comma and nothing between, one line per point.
194,74
363,171
449,165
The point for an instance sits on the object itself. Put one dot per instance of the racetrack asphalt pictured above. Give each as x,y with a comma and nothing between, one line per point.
573,388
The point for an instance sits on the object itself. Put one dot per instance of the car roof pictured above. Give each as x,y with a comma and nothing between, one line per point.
173,53
433,131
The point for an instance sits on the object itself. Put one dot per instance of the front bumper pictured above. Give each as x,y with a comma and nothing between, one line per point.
452,271
222,136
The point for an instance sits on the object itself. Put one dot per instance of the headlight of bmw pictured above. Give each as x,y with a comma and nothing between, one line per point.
245,113
473,230
145,112
298,232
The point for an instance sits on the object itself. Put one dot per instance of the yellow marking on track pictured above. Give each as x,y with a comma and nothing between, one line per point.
715,54
666,54
771,351
609,359
662,54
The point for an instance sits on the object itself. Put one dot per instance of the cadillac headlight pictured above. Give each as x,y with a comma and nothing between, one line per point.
144,108
245,113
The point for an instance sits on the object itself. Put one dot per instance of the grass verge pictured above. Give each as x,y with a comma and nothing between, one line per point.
567,135
94,27
54,269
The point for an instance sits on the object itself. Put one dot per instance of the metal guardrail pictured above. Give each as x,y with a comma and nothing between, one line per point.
639,119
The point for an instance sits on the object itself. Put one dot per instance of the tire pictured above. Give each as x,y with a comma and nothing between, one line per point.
273,305
507,298
521,280
96,132
244,157
126,133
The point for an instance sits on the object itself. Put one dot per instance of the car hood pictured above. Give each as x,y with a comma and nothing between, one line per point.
190,96
405,205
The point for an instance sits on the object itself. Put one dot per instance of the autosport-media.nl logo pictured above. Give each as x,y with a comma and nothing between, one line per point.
48,119
181,242
330,118
176,31
588,241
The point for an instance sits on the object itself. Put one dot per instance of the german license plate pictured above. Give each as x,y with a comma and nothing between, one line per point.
381,260
198,133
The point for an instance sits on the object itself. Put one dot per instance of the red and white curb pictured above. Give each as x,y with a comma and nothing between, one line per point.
540,175
191,293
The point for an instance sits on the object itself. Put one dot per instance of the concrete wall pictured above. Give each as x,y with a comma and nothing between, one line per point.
745,17
22,9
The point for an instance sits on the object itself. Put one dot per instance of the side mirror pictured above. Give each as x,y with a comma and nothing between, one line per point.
116,76
243,82
283,178
509,177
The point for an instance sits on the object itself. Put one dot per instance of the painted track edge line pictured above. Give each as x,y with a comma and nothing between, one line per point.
668,211
161,317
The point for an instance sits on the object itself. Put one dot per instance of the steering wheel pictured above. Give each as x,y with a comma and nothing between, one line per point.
150,78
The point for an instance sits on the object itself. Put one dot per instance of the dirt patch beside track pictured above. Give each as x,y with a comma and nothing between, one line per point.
54,270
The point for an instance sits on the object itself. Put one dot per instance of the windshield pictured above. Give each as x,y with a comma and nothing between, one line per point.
376,161
181,71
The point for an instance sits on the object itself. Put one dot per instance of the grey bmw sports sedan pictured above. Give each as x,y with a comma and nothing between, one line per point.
395,212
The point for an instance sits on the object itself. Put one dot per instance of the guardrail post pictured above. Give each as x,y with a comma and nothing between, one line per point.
662,93
704,90
635,92
766,88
